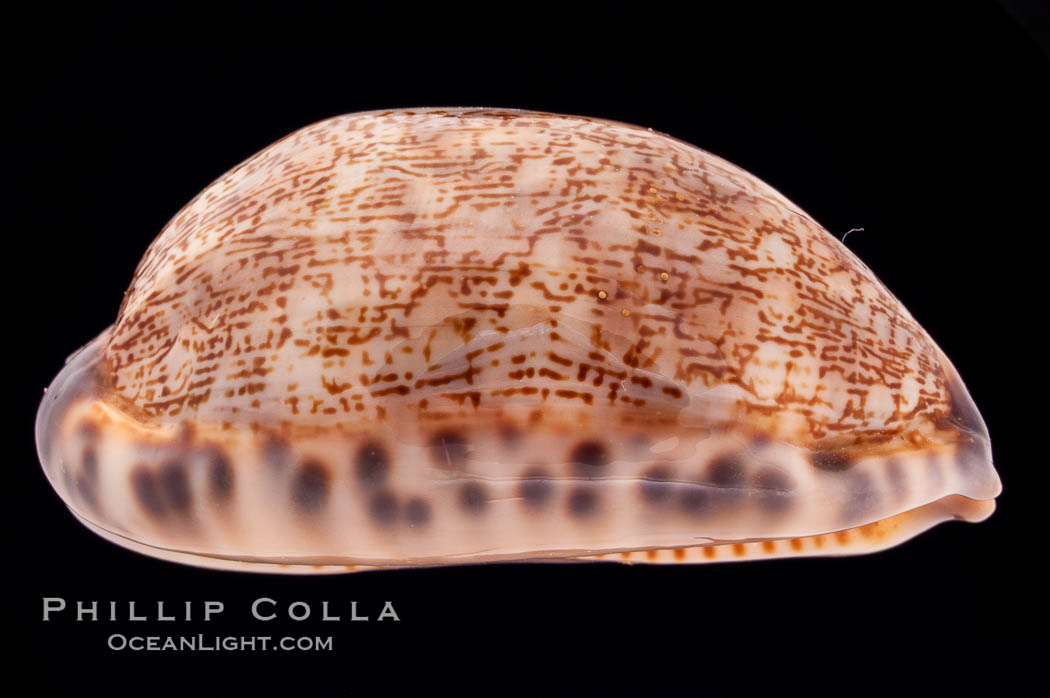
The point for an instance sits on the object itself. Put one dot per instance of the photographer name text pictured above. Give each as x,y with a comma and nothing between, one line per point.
261,609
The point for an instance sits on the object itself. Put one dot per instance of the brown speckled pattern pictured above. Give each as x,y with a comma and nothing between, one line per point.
447,335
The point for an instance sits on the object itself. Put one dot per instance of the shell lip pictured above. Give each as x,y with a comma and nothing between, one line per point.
975,444
963,413
80,376
950,507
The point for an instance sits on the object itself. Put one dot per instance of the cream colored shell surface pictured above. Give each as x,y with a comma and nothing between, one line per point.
446,335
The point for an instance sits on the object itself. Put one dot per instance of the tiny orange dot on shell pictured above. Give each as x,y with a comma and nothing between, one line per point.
665,276
625,312
603,294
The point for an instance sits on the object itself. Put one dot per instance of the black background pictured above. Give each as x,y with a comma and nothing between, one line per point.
925,127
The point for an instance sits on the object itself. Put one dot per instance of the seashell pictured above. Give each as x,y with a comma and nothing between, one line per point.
437,336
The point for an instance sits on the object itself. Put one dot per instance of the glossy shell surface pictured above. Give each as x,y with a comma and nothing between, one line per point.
438,336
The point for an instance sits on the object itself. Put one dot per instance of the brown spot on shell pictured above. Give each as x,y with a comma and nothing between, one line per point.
417,512
89,462
87,479
728,474
583,502
588,458
535,488
309,489
383,507
473,498
146,492
371,464
174,484
174,487
696,500
220,474
449,450
655,486
773,489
